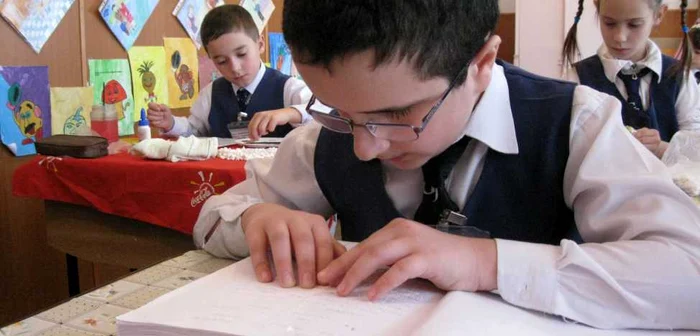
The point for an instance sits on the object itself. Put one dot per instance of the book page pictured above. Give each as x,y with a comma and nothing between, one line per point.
463,313
232,301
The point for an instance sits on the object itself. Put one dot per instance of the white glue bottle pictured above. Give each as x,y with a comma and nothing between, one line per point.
144,130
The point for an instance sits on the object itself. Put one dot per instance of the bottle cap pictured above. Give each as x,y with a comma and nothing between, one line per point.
144,120
110,112
97,113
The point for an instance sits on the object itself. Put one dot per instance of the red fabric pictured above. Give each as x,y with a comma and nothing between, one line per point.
158,192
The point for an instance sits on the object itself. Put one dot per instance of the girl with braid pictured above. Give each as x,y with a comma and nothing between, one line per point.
657,97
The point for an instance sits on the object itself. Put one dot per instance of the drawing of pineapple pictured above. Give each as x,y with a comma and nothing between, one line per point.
148,80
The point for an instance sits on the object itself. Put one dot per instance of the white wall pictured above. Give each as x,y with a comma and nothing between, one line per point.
539,36
506,6
675,4
540,28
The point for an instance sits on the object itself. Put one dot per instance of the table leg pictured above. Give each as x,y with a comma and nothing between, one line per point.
73,275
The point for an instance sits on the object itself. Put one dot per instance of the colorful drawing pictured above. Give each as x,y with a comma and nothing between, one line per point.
70,109
25,107
148,76
280,56
182,78
111,83
190,13
126,18
260,10
35,20
207,71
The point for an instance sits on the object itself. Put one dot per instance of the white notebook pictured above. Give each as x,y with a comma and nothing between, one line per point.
232,302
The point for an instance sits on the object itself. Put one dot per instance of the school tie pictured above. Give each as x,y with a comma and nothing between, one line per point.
435,172
243,96
634,115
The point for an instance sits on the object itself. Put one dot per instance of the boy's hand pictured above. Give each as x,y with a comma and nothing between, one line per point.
413,250
265,122
160,116
289,234
651,139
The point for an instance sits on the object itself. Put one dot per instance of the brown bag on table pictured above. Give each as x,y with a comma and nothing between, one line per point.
77,146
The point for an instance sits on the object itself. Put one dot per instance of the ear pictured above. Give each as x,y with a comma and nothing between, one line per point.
261,44
481,66
659,16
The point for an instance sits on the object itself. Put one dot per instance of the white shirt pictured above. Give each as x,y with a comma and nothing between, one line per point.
687,103
639,269
296,95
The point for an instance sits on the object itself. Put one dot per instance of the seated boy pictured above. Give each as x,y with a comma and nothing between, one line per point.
270,100
564,212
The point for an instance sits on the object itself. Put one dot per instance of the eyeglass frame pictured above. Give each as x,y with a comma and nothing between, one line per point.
416,129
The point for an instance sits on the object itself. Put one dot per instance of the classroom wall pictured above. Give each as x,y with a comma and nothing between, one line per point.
34,273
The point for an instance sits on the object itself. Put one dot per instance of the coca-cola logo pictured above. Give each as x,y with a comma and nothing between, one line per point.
205,189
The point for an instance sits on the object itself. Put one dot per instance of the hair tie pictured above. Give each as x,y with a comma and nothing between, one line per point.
576,19
685,29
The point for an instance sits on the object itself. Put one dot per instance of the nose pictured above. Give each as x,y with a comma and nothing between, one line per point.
235,65
366,146
620,35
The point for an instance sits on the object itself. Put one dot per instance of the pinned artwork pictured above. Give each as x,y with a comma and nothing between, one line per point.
207,71
148,76
111,83
126,18
35,20
183,85
260,10
280,56
25,108
70,109
190,13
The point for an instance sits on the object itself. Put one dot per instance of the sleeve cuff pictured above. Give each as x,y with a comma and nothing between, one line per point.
527,274
180,127
305,117
233,244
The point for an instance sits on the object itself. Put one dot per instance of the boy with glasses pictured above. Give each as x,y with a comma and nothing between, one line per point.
449,165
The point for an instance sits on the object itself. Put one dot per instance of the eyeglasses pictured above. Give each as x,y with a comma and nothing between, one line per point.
330,118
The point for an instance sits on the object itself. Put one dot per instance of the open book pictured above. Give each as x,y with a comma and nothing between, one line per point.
232,302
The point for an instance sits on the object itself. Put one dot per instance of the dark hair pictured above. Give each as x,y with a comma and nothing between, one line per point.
570,50
694,36
683,67
438,36
225,19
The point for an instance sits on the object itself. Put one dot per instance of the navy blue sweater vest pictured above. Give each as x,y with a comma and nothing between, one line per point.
662,107
269,95
517,197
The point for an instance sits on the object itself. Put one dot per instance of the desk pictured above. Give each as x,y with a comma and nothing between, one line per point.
94,313
162,193
122,210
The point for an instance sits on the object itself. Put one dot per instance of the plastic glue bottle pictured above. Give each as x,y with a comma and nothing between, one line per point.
144,130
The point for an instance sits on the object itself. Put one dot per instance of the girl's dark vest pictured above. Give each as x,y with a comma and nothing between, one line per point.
662,107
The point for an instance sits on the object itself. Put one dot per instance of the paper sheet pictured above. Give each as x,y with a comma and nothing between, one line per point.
232,301
111,83
183,72
148,75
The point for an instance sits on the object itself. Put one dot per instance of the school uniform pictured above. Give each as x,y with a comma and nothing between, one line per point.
667,105
217,104
546,145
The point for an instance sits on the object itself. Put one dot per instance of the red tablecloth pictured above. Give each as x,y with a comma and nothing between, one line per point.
158,192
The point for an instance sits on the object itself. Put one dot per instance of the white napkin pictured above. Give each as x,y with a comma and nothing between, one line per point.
184,149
